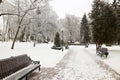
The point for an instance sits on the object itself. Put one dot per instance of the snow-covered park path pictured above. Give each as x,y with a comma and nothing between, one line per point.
81,66
77,64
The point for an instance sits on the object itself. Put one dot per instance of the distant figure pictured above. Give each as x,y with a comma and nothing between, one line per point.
66,47
98,49
86,45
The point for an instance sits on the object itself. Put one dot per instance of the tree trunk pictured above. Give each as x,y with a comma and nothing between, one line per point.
18,29
0,1
15,37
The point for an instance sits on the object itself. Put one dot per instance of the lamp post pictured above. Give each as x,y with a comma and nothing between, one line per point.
62,40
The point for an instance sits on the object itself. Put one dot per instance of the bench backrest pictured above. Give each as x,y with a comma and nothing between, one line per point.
13,64
104,49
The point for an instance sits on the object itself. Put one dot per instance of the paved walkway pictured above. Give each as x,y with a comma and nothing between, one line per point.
78,64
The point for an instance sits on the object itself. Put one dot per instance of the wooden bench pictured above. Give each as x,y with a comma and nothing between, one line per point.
102,52
57,48
17,68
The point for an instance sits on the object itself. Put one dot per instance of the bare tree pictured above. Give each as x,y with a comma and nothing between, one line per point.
31,7
25,16
72,25
45,24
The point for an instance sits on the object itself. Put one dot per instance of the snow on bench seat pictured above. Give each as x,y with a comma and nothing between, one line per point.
23,72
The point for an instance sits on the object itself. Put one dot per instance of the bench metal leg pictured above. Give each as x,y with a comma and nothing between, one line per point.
26,78
39,68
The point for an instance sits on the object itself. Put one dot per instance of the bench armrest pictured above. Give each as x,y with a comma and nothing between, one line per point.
36,62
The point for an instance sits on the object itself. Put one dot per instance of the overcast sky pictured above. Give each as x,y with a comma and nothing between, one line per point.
74,7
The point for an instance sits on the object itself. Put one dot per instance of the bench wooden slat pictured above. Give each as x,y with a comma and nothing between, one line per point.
23,72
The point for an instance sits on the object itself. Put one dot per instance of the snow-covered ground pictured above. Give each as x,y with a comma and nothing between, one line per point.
42,52
81,66
49,57
113,59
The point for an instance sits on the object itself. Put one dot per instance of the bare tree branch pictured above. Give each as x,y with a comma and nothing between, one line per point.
1,14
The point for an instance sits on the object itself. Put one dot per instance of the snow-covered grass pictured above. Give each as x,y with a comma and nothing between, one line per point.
42,52
50,57
113,59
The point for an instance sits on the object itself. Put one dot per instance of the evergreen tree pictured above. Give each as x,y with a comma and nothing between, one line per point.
84,30
116,7
103,23
0,1
57,40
